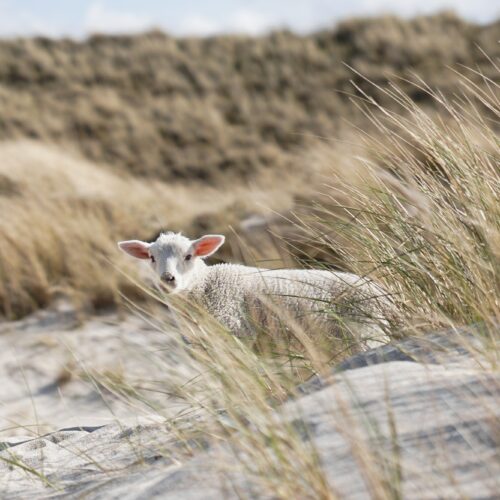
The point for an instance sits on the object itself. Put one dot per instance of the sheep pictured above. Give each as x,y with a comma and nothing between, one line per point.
236,295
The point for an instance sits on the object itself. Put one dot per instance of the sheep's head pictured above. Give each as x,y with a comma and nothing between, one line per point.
176,260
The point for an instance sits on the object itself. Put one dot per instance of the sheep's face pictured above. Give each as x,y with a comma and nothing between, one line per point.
176,260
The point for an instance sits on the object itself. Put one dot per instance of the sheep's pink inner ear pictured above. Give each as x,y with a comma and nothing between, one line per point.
136,248
207,245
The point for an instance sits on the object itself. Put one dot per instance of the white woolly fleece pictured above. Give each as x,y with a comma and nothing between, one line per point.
236,294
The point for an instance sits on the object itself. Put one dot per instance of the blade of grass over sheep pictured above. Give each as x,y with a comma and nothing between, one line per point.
421,247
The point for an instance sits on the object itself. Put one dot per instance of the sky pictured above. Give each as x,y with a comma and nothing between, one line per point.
79,18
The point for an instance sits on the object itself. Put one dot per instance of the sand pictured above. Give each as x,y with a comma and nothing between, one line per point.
64,435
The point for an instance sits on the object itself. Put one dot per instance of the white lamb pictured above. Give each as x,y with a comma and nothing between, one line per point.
235,294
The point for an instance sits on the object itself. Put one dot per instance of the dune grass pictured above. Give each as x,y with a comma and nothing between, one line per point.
424,220
424,213
214,131
229,106
63,216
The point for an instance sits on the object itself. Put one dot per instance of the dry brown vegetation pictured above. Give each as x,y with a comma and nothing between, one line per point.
420,211
63,215
120,137
196,109
110,139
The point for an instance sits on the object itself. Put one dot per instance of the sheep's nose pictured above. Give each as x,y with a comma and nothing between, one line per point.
168,277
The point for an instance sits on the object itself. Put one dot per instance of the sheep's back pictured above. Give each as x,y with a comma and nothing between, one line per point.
235,293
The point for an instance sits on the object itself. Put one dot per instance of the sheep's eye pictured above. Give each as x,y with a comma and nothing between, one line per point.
152,259
188,257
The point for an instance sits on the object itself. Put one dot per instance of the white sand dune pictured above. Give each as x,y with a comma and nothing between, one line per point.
50,367
433,421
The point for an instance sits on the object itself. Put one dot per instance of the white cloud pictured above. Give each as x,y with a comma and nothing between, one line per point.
196,25
241,21
101,19
19,22
249,22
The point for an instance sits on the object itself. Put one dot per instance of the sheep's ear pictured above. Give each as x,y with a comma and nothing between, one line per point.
207,245
136,248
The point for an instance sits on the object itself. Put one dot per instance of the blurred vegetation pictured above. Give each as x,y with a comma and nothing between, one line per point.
232,106
116,138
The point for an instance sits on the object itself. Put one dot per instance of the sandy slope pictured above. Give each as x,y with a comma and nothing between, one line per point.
436,418
48,363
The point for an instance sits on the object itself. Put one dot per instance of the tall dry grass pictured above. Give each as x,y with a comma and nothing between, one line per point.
62,216
228,106
421,213
424,219
223,128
